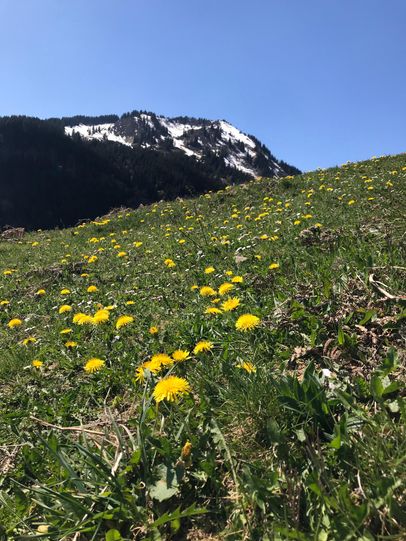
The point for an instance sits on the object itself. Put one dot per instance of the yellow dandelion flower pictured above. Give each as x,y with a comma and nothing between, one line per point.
137,244
237,280
194,287
140,374
92,289
169,263
92,259
36,363
230,304
101,316
83,319
186,450
153,365
207,291
130,303
29,340
121,254
212,310
65,308
153,330
65,291
93,365
209,270
15,322
162,358
246,322
273,266
247,366
65,331
351,202
40,292
180,355
123,320
203,346
170,388
225,288
70,344
4,302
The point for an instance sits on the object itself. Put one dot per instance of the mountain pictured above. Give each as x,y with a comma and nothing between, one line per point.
58,171
204,140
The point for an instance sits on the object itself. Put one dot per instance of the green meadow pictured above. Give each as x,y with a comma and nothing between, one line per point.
229,367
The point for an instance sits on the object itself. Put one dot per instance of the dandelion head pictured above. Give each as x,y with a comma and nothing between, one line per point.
180,355
123,320
170,389
153,365
212,310
169,263
93,365
15,322
225,288
186,450
202,347
101,316
246,322
247,366
207,291
29,340
140,374
92,289
230,304
162,358
65,308
36,363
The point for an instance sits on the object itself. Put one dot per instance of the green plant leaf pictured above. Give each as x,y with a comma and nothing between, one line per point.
167,484
390,362
113,535
376,387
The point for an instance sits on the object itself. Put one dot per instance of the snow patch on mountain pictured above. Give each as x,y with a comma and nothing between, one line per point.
99,132
198,138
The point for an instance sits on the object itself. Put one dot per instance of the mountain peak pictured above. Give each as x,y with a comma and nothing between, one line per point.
198,138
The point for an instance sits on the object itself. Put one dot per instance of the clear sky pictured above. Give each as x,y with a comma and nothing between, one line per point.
320,82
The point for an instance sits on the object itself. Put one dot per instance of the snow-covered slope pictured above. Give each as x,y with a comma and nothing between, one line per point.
202,139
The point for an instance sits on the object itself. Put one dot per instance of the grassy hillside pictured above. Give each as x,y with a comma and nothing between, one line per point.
270,312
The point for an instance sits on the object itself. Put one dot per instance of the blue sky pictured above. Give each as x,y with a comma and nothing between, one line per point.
320,82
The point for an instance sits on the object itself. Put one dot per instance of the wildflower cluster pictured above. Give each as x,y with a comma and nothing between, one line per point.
213,350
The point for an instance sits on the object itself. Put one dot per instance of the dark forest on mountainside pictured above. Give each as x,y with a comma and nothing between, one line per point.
48,179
